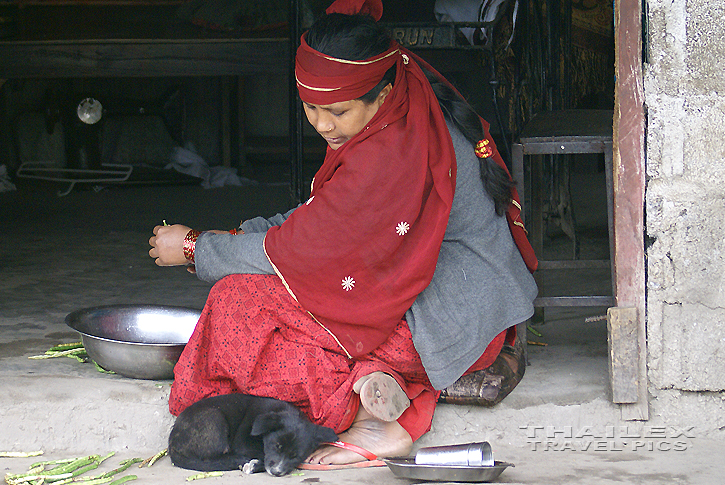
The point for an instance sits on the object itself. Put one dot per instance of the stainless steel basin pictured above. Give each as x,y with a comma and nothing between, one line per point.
137,341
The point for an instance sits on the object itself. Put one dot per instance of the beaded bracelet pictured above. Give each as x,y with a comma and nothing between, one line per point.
190,244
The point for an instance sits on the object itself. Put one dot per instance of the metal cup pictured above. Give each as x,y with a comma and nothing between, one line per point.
467,454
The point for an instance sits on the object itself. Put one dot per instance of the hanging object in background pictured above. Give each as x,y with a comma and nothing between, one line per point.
90,111
488,11
83,136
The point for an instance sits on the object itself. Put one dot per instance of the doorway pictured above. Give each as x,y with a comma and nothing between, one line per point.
588,54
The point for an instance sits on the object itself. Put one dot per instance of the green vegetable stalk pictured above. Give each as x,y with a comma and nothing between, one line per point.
199,476
19,454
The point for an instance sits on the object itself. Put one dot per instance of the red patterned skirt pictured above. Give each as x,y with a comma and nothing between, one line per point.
253,337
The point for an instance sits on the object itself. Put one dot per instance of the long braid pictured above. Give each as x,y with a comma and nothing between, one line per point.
494,178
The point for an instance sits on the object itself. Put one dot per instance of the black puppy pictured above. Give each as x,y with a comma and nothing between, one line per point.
236,431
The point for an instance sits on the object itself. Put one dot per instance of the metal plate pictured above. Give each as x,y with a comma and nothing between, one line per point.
138,341
407,468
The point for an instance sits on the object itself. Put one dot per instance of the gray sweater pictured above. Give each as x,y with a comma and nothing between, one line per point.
480,286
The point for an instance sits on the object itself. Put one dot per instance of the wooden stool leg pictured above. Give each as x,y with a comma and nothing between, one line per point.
537,222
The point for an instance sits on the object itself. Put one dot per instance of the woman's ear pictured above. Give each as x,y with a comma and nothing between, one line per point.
384,93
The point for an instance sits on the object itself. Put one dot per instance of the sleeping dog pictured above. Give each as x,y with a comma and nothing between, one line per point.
236,431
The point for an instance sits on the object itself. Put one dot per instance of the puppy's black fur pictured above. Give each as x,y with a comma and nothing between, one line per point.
235,431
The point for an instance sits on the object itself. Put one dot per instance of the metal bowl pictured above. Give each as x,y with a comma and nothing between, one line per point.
137,341
405,467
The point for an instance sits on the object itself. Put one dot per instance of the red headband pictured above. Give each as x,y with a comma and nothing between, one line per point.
322,79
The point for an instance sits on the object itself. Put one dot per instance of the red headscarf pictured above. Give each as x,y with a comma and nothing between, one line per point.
366,243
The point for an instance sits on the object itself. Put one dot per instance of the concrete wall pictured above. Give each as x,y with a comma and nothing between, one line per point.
685,207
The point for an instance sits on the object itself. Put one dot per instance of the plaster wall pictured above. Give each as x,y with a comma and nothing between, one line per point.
685,203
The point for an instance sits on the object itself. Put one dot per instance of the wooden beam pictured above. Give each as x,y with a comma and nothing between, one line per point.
629,173
142,58
623,329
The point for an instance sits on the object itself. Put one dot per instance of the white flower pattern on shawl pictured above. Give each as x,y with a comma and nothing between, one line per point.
348,283
402,228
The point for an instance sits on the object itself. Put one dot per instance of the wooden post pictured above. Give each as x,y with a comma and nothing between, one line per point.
629,129
623,330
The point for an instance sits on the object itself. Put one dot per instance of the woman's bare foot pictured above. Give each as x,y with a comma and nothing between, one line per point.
381,396
384,439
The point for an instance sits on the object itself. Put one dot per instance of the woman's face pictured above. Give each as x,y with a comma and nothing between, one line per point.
338,122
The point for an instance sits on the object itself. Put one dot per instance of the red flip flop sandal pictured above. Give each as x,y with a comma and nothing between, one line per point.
372,459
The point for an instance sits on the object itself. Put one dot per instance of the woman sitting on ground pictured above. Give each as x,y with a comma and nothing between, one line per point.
366,304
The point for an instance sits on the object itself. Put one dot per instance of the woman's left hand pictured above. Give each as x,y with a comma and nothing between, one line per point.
167,245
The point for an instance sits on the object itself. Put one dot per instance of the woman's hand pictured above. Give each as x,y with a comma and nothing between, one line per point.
167,245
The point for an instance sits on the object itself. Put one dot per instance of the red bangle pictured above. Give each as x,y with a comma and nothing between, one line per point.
190,244
234,232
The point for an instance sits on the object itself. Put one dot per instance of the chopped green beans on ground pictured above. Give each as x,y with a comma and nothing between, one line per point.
74,350
19,454
61,472
199,476
152,459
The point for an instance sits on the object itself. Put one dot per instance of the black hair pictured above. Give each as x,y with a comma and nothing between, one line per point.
359,37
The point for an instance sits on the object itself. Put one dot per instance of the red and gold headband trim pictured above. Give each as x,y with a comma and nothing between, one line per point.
312,88
365,62
323,79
